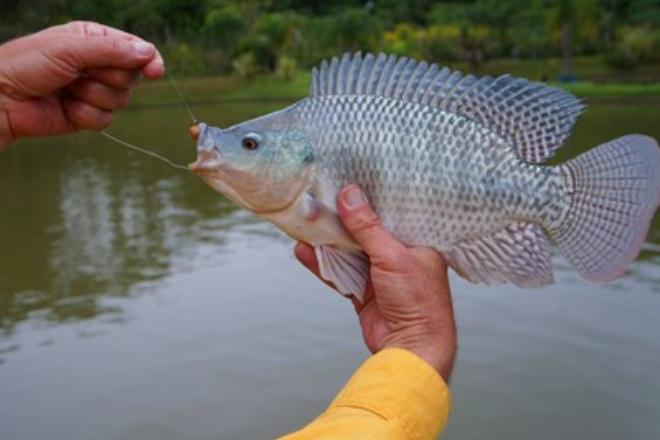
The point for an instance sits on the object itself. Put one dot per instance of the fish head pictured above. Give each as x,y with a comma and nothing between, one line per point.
261,165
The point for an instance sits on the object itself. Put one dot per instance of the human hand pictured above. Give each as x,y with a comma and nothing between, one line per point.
408,302
70,77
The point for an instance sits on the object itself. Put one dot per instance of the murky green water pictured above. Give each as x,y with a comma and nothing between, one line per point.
137,303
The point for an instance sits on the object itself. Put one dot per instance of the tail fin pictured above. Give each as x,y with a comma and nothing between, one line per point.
615,190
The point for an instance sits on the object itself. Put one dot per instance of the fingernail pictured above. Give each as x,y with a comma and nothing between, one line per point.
141,48
354,197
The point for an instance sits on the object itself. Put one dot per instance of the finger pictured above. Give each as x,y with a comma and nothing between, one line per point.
364,225
90,29
306,255
84,52
86,116
153,69
99,95
117,78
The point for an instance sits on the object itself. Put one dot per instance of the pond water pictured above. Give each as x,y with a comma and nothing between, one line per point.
137,303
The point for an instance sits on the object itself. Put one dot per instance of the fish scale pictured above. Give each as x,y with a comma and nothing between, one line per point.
403,188
450,161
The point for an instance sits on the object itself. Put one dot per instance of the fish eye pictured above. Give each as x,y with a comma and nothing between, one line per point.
250,142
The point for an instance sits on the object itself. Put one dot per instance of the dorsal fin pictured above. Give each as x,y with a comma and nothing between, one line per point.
535,118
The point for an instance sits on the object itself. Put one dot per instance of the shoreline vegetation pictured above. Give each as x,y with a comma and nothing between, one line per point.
261,50
594,82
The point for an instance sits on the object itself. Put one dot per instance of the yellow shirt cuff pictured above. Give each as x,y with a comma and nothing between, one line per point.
399,386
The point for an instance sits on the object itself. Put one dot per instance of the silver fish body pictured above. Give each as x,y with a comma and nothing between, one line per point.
448,161
435,178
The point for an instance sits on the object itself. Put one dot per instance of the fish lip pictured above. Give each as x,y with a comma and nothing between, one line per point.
206,162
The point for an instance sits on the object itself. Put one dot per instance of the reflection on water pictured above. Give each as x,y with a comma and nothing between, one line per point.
83,219
108,256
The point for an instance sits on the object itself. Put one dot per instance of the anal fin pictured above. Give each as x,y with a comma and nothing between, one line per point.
518,254
347,270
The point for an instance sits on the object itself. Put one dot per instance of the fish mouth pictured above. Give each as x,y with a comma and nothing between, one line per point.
207,161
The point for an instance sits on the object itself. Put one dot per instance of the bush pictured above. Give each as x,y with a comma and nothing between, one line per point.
440,44
275,35
222,27
184,59
286,68
623,57
636,45
245,65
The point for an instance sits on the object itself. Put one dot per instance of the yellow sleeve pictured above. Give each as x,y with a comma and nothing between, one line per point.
393,395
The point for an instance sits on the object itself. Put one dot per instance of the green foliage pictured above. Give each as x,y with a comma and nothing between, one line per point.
645,12
529,33
347,30
392,12
184,59
245,65
263,36
286,68
222,26
274,35
637,45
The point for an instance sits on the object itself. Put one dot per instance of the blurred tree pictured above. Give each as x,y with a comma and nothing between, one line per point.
182,58
474,35
223,27
275,32
315,7
528,31
646,12
575,21
286,68
347,30
140,17
398,11
245,65
104,12
637,45
566,17
181,18
274,35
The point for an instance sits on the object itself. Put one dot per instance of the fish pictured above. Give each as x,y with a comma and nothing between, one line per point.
450,161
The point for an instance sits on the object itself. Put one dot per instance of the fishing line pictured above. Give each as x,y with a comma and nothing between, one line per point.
147,152
183,101
151,153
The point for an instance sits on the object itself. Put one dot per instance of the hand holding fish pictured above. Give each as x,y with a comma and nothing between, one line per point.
408,301
70,77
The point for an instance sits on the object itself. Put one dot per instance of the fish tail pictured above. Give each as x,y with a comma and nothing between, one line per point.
614,192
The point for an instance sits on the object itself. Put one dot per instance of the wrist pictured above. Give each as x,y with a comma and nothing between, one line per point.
440,357
438,349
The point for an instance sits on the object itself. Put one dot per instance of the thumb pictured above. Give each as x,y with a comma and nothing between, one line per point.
365,227
82,52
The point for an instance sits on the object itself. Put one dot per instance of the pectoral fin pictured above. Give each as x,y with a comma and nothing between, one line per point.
340,259
348,271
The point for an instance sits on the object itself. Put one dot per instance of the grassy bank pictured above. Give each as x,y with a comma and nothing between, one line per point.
596,81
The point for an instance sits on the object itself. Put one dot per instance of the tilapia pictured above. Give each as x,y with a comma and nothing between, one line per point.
449,161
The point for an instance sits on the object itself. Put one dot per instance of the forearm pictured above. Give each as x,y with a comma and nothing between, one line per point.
394,395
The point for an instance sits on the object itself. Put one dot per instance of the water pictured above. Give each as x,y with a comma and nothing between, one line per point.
137,303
